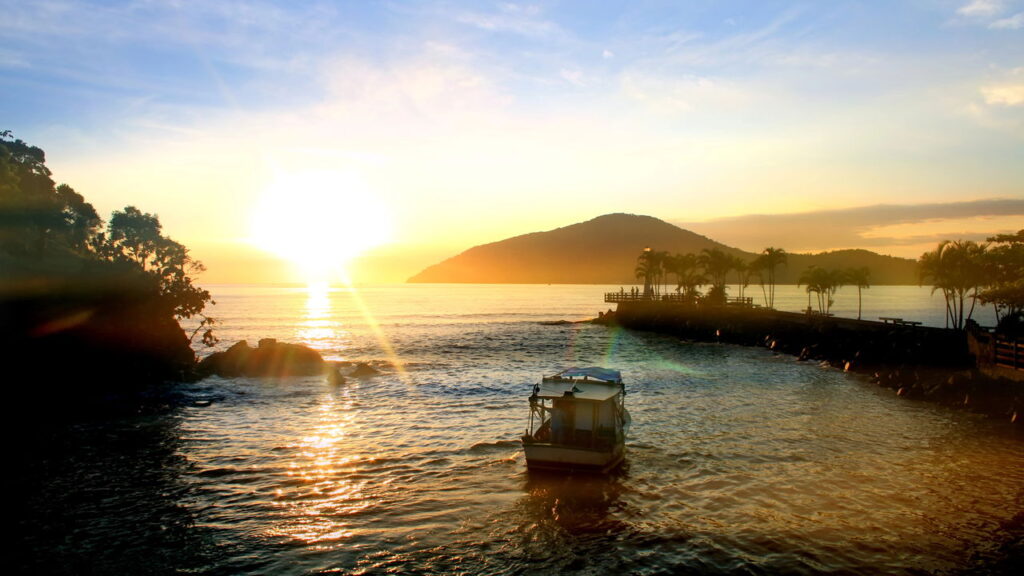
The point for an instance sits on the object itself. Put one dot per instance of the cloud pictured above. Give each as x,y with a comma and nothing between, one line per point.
896,228
980,8
1006,92
1006,95
573,76
684,93
1014,22
514,18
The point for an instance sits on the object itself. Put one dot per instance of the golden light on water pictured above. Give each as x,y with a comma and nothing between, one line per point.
321,498
319,221
317,326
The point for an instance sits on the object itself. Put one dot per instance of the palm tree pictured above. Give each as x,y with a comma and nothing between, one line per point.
717,265
663,263
824,283
756,267
958,269
861,277
645,270
770,259
807,278
743,273
685,267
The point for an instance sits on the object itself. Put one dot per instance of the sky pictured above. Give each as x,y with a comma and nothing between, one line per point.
283,141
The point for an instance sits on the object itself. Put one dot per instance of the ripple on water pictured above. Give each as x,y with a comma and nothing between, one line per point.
738,461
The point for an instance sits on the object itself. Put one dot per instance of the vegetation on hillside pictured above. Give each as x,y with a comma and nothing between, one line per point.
44,223
102,296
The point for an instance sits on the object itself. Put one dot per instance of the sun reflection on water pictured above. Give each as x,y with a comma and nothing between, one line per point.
317,325
318,504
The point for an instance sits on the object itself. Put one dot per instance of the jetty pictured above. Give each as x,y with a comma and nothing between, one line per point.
966,367
808,334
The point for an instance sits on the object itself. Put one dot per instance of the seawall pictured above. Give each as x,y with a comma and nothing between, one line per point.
915,361
862,343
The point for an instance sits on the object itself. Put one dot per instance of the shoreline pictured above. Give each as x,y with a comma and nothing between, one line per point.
916,362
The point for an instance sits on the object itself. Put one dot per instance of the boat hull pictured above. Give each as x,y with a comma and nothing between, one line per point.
545,456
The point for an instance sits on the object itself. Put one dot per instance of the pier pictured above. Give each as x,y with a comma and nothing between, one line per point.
808,334
964,368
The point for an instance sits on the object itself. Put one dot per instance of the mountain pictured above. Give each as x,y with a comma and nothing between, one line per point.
885,270
599,251
604,251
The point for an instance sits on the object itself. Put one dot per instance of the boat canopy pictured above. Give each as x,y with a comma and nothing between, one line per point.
596,372
593,390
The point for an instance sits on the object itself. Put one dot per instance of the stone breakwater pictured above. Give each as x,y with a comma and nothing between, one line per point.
914,361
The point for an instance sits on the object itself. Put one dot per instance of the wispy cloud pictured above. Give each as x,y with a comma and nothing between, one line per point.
980,8
526,20
899,229
1005,95
523,112
682,93
1014,22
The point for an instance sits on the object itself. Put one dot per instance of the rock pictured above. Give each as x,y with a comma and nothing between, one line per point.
334,377
364,370
271,358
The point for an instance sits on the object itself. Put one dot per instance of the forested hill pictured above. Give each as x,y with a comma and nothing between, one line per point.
604,251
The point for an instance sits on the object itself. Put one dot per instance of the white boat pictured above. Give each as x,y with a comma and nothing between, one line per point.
578,421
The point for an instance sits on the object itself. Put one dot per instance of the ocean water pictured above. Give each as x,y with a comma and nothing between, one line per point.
738,460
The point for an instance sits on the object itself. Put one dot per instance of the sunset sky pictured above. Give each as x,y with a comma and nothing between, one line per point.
398,134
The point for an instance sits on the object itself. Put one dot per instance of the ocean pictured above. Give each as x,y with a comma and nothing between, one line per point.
738,460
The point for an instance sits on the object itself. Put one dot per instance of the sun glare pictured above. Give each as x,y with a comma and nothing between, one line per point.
319,221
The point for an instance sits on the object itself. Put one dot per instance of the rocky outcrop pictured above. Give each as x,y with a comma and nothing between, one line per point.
93,340
269,358
364,370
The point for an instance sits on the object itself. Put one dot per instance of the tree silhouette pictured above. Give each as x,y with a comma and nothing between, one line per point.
861,278
957,268
43,222
823,283
717,265
770,259
743,273
686,269
38,217
1005,272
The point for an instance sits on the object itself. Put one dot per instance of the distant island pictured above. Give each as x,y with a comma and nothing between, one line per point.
604,251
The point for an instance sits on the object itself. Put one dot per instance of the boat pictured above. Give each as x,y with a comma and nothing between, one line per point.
578,421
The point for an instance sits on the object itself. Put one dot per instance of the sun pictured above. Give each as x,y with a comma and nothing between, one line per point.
319,221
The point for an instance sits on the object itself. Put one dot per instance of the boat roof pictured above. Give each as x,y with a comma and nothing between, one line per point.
596,372
590,383
593,390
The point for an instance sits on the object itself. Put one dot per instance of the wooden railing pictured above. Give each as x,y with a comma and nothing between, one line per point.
740,301
1010,353
616,297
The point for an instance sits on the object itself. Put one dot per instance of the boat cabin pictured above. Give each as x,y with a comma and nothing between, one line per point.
579,407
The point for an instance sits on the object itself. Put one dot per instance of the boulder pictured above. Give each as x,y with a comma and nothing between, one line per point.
270,358
363,370
334,377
